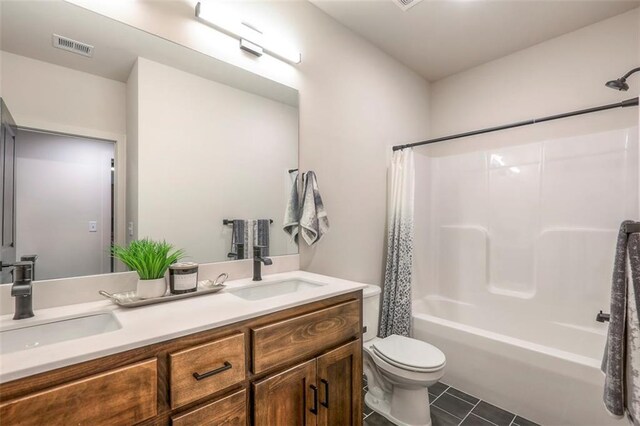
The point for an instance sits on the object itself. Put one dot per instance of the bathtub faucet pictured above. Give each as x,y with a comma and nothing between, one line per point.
600,317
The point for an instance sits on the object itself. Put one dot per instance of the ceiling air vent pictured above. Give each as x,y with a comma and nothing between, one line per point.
73,46
406,4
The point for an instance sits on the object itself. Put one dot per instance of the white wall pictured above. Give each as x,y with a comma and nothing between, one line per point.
559,75
62,183
355,102
207,152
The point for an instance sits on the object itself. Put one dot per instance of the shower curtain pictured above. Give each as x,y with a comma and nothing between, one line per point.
395,317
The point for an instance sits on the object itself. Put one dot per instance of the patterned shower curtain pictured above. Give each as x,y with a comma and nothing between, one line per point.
395,317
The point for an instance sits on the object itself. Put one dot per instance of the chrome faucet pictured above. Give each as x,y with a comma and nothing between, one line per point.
22,290
258,260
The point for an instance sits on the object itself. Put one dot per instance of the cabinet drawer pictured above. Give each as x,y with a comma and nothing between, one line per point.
202,370
303,336
125,395
228,411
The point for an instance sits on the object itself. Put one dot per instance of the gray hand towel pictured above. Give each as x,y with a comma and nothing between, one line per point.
261,235
292,212
621,362
313,219
240,235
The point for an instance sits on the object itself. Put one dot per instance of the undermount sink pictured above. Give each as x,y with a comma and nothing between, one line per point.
37,335
267,290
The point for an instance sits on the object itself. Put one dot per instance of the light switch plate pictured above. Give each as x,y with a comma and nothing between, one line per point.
93,226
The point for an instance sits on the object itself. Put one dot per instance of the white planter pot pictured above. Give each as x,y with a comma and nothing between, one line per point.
147,289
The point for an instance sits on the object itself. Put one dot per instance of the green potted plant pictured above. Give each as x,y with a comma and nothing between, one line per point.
150,259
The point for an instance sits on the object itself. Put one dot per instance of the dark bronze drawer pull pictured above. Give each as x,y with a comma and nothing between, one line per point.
314,409
325,403
225,367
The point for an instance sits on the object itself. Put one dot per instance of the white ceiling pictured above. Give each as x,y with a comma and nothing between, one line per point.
27,26
440,38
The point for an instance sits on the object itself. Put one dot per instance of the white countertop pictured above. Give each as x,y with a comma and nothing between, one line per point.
156,323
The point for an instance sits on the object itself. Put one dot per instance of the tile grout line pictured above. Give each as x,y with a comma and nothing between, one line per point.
442,409
487,420
460,399
451,414
469,413
479,401
472,408
443,392
464,400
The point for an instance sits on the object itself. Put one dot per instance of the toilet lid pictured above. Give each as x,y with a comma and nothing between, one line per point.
408,353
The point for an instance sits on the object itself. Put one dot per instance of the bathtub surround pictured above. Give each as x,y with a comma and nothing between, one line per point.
396,301
548,249
314,223
546,368
621,363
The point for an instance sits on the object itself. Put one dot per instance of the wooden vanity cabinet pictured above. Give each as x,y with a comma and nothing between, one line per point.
287,398
228,411
122,396
299,366
324,391
339,374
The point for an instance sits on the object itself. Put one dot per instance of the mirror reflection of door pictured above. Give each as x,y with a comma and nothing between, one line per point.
64,196
7,210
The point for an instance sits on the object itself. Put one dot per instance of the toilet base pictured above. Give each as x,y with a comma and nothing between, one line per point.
382,406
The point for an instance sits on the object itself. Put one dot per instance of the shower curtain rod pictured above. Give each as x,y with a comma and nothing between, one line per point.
623,104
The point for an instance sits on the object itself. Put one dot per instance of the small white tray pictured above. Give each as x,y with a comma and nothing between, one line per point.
129,299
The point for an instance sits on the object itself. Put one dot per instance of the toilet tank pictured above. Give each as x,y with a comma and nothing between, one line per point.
370,310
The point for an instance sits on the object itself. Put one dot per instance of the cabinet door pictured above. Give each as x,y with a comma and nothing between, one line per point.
340,385
289,398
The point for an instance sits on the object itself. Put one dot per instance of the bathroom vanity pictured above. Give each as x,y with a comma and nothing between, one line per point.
297,365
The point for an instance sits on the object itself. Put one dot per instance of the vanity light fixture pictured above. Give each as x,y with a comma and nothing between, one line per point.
251,39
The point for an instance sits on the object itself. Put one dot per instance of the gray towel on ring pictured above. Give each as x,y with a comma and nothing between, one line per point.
313,218
621,361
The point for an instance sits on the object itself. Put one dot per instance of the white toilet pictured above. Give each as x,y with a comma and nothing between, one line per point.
399,369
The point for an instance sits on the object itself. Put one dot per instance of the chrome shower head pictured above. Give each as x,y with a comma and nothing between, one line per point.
621,83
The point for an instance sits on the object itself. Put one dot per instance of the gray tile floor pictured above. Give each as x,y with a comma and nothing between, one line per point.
452,407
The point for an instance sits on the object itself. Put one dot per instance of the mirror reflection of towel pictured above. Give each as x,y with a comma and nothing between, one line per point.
292,211
261,235
240,235
314,222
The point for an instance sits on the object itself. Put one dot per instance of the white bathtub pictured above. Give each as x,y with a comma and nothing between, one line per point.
549,373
